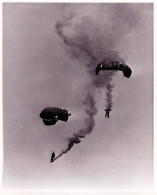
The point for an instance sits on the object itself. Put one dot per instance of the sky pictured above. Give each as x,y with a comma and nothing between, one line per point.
50,52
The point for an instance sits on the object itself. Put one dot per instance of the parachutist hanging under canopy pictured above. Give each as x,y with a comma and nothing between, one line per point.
51,115
52,157
107,112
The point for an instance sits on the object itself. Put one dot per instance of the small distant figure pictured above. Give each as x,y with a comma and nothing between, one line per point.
52,157
107,112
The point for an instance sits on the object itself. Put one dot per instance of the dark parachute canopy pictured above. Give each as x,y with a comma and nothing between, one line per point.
113,64
51,115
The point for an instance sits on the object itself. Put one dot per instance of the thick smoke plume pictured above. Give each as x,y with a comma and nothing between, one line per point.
84,41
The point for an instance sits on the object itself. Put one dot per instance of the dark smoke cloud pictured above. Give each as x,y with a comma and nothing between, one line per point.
89,42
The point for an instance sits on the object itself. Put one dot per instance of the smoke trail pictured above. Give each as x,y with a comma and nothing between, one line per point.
82,43
89,122
109,101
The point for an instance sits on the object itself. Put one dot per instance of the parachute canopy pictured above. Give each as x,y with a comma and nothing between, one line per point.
51,115
113,64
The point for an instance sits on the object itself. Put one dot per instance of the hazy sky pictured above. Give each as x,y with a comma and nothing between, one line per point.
50,55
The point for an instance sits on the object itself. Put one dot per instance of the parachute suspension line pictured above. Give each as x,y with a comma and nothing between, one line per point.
51,138
108,93
50,141
121,81
48,137
118,88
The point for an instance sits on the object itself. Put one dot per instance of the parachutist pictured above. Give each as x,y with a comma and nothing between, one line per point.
107,112
52,157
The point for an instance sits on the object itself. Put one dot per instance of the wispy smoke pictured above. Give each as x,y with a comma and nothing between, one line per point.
85,41
86,44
